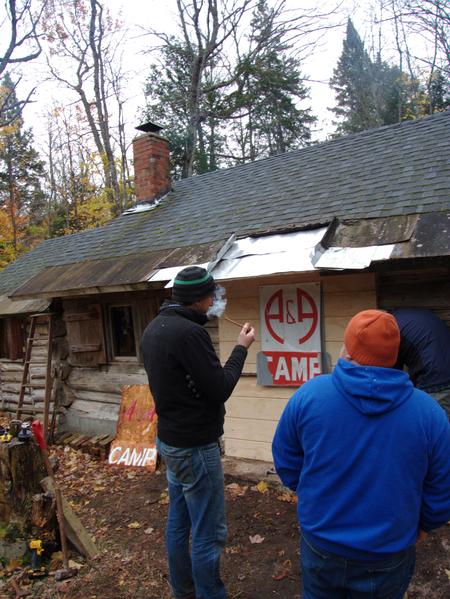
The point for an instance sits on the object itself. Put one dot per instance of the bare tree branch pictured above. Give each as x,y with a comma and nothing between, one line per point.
20,45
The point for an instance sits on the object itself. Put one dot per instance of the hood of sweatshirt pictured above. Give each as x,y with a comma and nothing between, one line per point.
372,390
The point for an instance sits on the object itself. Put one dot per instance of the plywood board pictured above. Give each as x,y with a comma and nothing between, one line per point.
135,442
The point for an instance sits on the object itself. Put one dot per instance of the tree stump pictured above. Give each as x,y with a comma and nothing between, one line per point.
21,470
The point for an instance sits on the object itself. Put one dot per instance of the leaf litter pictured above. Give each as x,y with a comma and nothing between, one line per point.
125,511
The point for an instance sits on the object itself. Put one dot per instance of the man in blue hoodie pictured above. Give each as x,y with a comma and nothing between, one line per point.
369,458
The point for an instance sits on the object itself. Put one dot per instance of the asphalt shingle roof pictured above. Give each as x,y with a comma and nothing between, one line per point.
393,170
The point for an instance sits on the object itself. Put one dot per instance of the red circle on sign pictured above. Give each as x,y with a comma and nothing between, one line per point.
302,315
313,315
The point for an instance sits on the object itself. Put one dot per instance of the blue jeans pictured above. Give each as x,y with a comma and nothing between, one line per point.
197,506
329,576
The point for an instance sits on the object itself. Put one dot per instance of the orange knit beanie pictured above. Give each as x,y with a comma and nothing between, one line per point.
372,338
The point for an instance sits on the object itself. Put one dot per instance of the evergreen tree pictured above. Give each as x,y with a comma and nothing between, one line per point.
354,86
270,90
209,99
438,92
167,90
22,201
371,93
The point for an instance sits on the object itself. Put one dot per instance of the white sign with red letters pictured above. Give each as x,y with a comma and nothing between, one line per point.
290,334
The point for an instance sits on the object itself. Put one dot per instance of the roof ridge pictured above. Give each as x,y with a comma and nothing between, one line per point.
318,145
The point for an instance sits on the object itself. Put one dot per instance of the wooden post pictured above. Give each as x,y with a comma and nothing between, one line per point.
26,368
48,377
39,436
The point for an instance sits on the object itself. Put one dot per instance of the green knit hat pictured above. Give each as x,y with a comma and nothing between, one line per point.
191,284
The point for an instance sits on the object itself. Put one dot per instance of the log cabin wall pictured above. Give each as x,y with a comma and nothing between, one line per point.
11,367
253,411
93,373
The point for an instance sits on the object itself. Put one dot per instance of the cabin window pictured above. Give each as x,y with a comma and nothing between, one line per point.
12,338
122,331
125,319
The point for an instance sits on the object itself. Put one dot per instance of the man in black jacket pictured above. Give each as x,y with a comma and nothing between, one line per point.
190,388
425,351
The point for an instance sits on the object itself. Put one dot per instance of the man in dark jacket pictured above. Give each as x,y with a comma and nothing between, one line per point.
425,351
369,458
190,388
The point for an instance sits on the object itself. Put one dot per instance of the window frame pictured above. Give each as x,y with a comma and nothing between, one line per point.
144,307
12,347
109,331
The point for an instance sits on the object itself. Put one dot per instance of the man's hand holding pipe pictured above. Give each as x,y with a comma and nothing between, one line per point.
246,336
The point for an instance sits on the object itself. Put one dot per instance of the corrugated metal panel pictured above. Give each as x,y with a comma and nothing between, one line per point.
9,307
255,257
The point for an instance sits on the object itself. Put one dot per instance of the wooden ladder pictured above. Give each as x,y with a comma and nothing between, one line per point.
35,340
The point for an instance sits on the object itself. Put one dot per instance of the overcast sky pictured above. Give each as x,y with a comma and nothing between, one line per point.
160,14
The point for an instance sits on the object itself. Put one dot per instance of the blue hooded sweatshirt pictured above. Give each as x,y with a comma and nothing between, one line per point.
369,458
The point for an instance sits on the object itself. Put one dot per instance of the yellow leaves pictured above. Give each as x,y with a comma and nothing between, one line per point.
163,498
262,487
89,214
134,525
288,497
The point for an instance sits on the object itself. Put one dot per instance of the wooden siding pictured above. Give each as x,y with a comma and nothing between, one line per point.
416,289
253,410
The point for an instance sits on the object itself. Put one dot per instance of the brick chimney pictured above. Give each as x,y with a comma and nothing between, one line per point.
151,164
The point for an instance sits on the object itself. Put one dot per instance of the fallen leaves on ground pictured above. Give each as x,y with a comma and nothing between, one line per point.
283,570
287,497
132,560
261,487
256,538
234,490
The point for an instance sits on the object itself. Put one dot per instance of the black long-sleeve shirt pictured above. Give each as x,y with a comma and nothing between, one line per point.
187,381
424,347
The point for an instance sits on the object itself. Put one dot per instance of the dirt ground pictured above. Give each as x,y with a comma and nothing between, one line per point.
125,511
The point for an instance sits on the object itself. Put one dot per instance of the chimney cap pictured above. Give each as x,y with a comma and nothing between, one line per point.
149,128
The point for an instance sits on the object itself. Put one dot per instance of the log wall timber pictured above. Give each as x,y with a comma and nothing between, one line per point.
11,377
253,411
93,395
96,394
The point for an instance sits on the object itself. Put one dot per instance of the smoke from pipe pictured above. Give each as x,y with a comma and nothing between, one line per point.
219,305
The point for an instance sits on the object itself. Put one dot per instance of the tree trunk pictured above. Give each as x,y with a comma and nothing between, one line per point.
21,470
